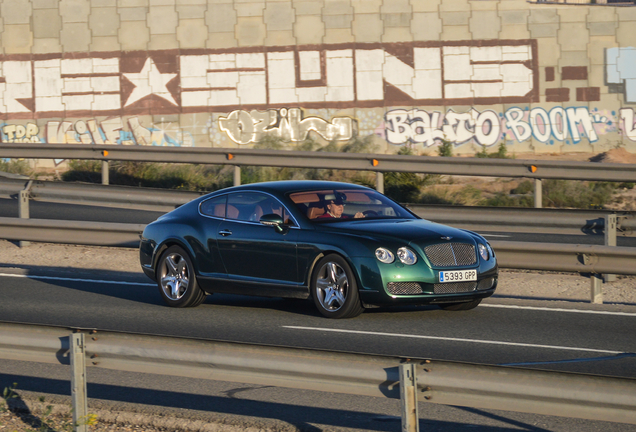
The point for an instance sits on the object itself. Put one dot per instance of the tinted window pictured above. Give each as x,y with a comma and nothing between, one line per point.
250,206
354,203
214,206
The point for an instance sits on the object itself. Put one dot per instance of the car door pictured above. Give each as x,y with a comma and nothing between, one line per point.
253,252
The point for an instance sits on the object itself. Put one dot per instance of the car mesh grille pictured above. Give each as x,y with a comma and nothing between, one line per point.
403,288
451,254
454,287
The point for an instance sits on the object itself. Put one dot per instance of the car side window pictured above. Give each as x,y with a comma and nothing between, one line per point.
214,207
251,206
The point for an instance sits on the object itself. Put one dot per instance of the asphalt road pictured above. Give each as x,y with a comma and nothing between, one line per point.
46,210
583,338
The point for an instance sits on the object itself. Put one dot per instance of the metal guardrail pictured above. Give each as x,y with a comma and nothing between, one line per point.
100,195
443,382
537,169
559,221
71,232
515,255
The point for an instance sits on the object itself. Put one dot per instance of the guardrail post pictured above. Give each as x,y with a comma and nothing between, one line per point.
78,382
538,193
23,207
610,240
105,177
596,288
379,182
237,175
408,396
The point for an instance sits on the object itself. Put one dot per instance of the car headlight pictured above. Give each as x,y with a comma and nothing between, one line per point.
384,255
407,256
483,252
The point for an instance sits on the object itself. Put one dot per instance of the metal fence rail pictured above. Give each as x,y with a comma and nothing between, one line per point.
519,255
478,386
559,221
537,169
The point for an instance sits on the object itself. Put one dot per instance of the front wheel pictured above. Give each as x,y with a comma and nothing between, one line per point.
460,306
334,288
176,279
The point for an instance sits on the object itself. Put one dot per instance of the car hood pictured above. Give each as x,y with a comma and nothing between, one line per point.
418,231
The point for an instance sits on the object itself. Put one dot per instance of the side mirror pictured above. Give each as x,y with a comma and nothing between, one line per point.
273,220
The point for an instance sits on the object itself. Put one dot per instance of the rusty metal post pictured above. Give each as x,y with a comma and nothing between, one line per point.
596,289
408,396
379,181
105,174
237,175
538,193
610,240
23,207
78,382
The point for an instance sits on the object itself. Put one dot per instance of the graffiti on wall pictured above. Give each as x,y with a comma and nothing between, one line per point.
108,131
249,127
487,127
326,76
621,70
628,123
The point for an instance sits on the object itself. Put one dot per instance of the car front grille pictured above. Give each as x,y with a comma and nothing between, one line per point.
454,287
404,288
451,254
462,287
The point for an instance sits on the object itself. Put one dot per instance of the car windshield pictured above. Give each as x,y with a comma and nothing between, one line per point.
337,204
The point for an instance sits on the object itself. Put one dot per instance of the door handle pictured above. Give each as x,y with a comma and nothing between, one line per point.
225,232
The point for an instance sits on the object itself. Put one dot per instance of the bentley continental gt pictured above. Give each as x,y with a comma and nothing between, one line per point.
345,246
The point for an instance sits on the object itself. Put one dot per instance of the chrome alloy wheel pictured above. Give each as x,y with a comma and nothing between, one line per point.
332,286
175,276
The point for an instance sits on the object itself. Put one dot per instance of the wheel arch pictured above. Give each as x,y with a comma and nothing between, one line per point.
168,243
321,255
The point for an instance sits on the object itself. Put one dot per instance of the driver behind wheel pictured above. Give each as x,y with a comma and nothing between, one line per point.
334,208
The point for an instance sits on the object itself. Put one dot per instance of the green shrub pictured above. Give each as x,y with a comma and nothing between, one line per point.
577,194
445,148
501,153
523,188
16,166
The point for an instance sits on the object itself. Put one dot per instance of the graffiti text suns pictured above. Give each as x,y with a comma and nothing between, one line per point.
486,127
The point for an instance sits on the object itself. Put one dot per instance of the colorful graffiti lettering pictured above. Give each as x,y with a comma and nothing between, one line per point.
108,131
487,127
249,127
627,123
20,133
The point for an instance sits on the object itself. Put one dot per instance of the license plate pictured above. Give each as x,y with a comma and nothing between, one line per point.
458,276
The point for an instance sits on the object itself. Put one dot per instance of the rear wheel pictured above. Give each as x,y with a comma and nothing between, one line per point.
334,288
460,306
176,279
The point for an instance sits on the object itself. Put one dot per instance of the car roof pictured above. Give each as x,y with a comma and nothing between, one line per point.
286,186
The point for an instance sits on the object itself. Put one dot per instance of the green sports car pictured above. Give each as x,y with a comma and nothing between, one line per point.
346,246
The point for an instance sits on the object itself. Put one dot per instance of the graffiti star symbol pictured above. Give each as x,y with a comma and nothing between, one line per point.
150,81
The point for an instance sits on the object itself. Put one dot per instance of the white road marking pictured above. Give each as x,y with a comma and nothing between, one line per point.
546,309
554,347
75,279
495,235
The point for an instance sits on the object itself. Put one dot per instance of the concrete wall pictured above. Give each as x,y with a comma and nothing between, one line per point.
543,78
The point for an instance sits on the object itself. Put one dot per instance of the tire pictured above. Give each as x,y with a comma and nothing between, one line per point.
461,306
334,288
176,279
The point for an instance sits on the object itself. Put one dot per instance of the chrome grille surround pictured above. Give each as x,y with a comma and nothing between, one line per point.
451,254
404,288
454,287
